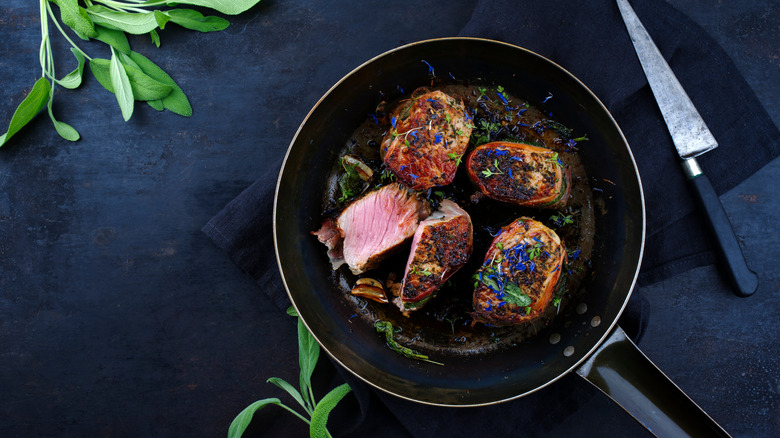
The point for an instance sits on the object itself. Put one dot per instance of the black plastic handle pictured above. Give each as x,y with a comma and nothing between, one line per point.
744,282
622,372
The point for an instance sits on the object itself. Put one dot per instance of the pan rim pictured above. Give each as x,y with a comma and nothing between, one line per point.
583,357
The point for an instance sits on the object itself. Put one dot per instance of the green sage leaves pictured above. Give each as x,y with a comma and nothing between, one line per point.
121,84
318,412
128,74
242,420
229,7
32,104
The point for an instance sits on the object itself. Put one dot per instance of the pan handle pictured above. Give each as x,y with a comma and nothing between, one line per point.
621,371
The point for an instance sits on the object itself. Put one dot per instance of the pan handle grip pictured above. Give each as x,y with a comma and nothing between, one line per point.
743,281
621,371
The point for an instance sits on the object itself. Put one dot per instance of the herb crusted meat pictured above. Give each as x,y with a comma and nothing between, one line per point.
519,276
520,174
428,137
441,245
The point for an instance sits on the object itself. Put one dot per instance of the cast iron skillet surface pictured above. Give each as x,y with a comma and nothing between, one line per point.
482,378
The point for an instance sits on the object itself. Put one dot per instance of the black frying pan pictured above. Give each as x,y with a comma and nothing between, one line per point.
589,342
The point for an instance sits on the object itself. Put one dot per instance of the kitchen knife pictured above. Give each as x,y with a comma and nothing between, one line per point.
692,138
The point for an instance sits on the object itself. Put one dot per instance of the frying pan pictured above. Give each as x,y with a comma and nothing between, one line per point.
588,341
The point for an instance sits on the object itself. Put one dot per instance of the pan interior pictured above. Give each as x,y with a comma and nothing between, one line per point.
472,379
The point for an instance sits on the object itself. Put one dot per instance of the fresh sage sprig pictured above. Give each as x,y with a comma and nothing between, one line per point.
318,412
128,74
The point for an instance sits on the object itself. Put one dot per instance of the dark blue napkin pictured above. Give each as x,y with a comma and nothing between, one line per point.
588,39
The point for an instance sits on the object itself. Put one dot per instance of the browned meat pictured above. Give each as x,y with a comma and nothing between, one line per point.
520,274
520,174
442,244
330,235
377,223
428,137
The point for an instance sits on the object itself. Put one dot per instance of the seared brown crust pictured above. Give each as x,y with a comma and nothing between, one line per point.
520,174
442,250
428,137
518,278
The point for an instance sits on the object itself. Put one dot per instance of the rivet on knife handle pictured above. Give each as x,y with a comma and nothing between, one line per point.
692,138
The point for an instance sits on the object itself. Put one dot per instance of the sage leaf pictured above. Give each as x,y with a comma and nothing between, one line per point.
121,84
161,18
73,79
515,295
31,105
156,104
144,87
229,7
281,383
128,61
242,420
63,129
319,418
155,38
308,354
76,18
176,102
114,38
194,20
137,23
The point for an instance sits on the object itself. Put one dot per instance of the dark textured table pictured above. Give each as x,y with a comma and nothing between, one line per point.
119,317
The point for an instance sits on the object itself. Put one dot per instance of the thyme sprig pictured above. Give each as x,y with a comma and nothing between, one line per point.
386,327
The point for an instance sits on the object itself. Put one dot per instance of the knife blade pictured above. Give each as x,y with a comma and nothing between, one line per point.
691,138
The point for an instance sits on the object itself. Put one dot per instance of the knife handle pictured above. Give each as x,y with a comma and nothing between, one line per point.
743,281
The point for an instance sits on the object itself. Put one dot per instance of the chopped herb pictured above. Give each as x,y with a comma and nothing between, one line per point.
350,182
555,159
386,176
487,173
501,96
534,251
415,270
561,219
515,295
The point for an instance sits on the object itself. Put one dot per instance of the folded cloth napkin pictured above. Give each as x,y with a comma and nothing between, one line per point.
589,39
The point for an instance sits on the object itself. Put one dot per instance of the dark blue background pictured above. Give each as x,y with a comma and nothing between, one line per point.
118,317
